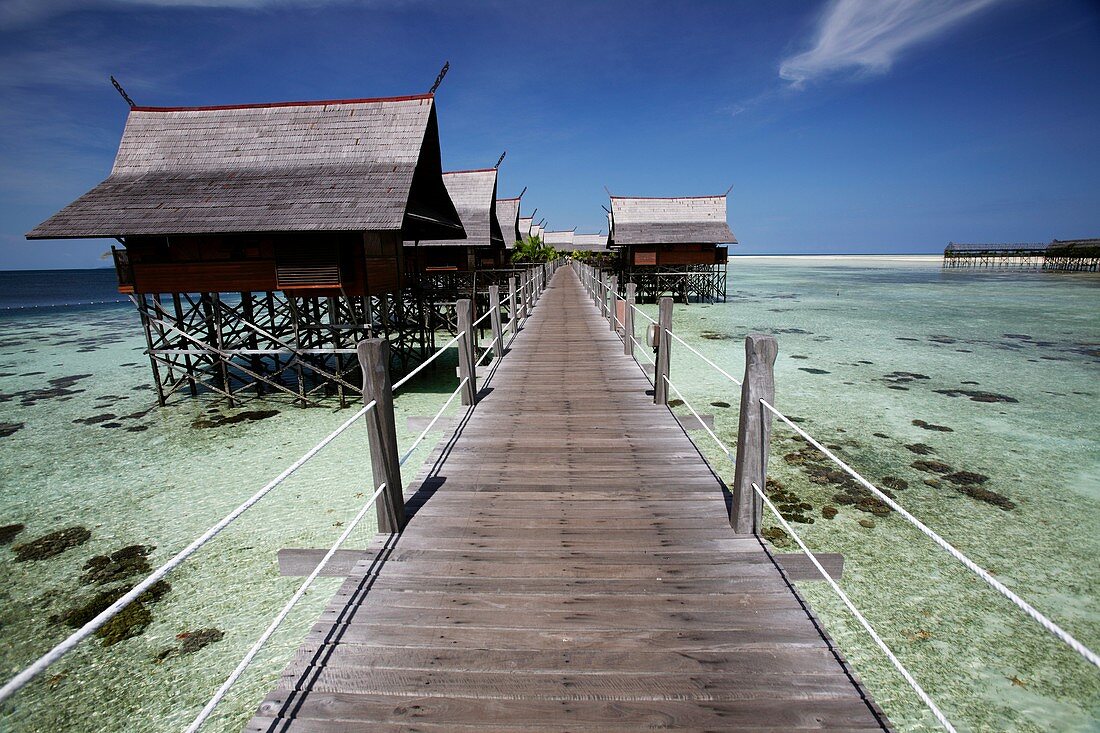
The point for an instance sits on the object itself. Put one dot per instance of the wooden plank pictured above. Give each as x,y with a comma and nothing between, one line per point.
797,566
301,562
568,565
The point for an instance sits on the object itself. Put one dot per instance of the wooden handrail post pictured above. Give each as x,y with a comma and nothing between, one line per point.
466,345
753,432
603,294
521,303
513,319
494,319
614,317
628,321
374,359
664,346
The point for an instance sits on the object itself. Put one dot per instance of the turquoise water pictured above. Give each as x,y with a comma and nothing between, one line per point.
847,329
157,477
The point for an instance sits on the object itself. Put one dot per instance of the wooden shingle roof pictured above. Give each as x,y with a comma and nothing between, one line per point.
508,219
589,242
526,223
559,240
344,165
474,194
678,220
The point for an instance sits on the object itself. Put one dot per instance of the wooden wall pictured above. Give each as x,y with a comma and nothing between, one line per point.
677,254
322,263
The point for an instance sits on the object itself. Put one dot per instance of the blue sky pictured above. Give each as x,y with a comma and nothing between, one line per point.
843,126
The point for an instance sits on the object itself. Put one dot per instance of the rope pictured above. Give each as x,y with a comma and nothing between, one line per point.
20,680
688,346
405,379
279,618
433,421
1023,605
710,432
859,617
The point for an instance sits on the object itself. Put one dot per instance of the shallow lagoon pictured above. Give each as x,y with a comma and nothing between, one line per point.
988,666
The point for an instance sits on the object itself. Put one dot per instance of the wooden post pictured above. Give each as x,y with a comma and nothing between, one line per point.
628,321
374,358
614,303
466,360
664,345
753,432
513,319
494,319
521,297
603,295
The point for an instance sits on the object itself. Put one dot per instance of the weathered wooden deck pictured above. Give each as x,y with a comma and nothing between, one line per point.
569,566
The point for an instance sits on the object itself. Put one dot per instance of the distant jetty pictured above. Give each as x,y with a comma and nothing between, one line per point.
1070,255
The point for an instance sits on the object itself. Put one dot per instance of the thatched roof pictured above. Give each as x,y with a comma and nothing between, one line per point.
678,220
508,219
589,242
474,194
559,240
339,165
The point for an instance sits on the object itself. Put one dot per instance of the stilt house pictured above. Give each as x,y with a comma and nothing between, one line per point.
296,209
672,246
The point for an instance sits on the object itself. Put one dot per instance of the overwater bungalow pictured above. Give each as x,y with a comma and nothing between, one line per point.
559,240
672,246
509,221
526,223
261,241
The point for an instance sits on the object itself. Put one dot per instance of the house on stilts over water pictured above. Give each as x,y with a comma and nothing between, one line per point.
260,242
449,269
671,246
508,220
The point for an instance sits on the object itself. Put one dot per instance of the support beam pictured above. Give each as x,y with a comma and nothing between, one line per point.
753,432
374,359
664,346
466,360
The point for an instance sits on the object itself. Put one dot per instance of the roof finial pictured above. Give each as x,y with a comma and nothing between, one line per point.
727,193
533,212
122,91
609,194
439,79
500,160
522,192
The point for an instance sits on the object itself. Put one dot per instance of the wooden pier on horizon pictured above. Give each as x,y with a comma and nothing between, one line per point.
568,564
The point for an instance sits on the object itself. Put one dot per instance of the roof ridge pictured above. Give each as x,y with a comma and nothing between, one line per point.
472,170
670,198
262,105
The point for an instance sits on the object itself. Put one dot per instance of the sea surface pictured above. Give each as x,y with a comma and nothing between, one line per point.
1001,369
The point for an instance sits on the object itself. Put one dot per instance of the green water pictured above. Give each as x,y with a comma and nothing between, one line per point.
1028,336
988,666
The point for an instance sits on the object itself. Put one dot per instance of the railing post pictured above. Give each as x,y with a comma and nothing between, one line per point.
753,432
374,359
614,283
521,301
628,321
513,319
603,294
466,360
664,345
494,319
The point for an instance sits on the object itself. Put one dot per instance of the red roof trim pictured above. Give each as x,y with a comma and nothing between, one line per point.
472,170
318,103
669,198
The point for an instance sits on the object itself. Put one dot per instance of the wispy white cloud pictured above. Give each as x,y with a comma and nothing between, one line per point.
867,36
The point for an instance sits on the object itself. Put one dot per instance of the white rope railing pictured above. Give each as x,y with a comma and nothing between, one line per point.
431,424
208,709
20,680
689,347
997,585
859,616
710,432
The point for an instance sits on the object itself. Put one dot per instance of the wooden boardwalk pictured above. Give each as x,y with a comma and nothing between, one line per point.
569,567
